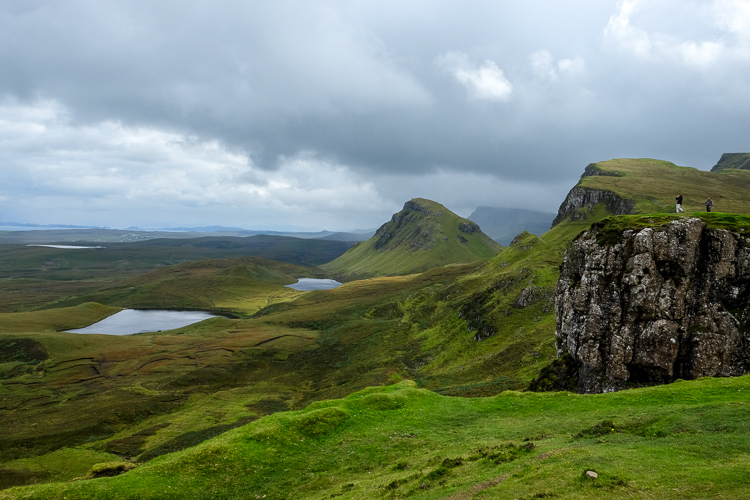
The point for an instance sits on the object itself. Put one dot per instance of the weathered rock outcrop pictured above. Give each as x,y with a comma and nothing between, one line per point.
661,303
580,201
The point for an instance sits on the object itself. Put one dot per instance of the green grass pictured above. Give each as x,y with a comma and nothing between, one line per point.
684,440
611,228
653,185
472,330
153,393
60,465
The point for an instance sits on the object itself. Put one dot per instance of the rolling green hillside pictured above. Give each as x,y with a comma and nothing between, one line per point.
682,441
239,286
149,394
423,235
472,330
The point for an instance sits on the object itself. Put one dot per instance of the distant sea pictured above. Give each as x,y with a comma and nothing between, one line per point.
11,226
33,228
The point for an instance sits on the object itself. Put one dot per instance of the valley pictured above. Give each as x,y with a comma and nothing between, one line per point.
409,380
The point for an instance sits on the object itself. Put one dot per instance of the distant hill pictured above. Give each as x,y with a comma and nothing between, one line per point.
739,161
12,232
423,235
504,224
349,236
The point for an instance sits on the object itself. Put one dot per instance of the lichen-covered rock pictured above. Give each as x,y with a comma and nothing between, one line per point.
661,304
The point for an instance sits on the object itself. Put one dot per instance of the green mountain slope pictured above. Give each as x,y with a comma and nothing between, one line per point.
641,186
423,235
687,440
732,160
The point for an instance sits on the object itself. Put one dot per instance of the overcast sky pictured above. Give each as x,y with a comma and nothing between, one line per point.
325,114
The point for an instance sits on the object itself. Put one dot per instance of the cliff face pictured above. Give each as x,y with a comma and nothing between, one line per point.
580,201
657,305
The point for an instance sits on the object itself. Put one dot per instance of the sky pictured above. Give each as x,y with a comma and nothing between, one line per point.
328,114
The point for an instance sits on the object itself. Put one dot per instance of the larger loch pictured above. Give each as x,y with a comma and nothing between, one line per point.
132,321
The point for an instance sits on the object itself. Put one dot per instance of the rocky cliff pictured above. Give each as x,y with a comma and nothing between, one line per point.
651,305
581,200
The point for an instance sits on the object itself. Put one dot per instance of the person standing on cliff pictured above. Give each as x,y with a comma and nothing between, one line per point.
709,204
679,203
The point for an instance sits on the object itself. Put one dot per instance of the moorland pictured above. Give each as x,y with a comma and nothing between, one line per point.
395,385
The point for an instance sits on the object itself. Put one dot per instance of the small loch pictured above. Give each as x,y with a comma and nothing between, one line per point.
308,284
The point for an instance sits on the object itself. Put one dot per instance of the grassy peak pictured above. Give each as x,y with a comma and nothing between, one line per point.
423,235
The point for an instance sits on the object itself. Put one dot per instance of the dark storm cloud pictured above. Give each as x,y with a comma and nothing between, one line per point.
364,93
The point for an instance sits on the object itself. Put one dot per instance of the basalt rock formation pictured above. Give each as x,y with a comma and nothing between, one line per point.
654,305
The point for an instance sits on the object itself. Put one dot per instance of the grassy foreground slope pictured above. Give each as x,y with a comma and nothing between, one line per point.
685,440
423,235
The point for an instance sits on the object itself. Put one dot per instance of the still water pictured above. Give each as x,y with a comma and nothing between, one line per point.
307,284
131,321
74,247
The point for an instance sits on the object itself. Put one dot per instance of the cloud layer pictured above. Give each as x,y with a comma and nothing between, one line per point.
330,114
